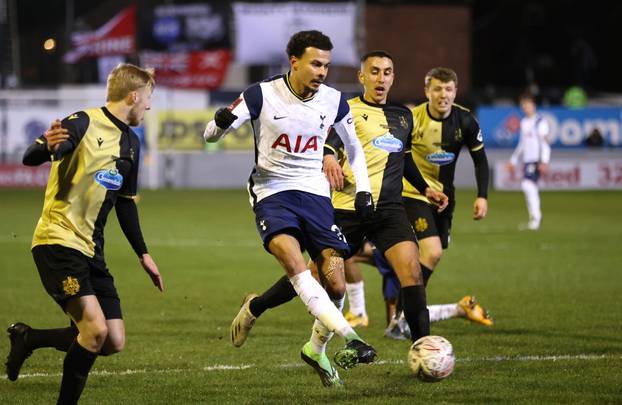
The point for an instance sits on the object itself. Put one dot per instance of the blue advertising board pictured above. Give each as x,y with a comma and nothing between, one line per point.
568,127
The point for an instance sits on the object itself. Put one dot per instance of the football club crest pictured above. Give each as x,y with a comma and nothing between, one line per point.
421,224
71,286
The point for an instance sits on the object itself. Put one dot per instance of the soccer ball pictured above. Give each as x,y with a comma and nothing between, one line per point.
431,358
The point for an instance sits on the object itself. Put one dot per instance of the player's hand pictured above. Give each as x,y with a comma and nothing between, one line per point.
55,135
509,167
334,173
364,205
480,208
437,198
543,168
152,269
224,118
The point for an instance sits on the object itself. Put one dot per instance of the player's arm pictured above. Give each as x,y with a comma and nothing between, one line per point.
76,126
332,168
475,142
247,106
516,155
37,153
545,148
127,214
344,127
42,149
413,175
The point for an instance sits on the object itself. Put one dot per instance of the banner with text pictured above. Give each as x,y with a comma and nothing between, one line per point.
566,175
569,128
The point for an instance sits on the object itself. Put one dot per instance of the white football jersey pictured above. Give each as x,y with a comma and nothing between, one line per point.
289,137
532,146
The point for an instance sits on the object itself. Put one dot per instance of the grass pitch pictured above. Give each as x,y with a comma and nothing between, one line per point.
555,296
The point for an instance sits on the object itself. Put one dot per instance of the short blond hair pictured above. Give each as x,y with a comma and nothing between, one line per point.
442,74
126,78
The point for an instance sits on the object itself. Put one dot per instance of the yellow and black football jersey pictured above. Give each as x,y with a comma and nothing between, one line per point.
436,145
96,164
384,132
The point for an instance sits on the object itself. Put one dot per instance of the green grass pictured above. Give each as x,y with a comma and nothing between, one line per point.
555,292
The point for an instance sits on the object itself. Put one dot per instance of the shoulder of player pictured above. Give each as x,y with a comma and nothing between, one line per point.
79,121
397,107
464,114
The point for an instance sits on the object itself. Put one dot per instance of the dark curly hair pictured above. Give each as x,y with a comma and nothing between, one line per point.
304,39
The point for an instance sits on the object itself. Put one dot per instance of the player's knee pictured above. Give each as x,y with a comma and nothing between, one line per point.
432,257
94,335
113,346
336,290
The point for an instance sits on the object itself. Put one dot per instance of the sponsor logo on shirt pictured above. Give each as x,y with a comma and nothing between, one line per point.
111,179
388,142
440,158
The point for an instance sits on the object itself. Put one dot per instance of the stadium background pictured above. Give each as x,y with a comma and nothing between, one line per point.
554,293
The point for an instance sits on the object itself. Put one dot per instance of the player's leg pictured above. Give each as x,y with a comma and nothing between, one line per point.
327,245
314,351
62,271
532,198
433,233
92,333
392,235
254,305
355,289
403,257
529,185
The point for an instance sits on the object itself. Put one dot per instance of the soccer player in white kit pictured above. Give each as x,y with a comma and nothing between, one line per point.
291,115
534,152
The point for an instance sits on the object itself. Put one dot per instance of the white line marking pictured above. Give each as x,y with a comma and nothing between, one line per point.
229,367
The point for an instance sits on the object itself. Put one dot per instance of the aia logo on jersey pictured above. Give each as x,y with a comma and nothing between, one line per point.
284,141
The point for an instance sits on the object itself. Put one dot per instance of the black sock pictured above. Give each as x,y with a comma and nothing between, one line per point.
60,338
416,311
281,292
426,273
399,306
76,367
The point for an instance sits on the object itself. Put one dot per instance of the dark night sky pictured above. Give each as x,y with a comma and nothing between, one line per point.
560,42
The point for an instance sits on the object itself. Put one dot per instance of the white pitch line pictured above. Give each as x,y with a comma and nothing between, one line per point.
229,367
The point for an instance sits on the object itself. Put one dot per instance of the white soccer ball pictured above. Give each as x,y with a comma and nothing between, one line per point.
431,358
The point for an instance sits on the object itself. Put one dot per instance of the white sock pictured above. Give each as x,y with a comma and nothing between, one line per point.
320,335
356,298
443,311
319,305
532,197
